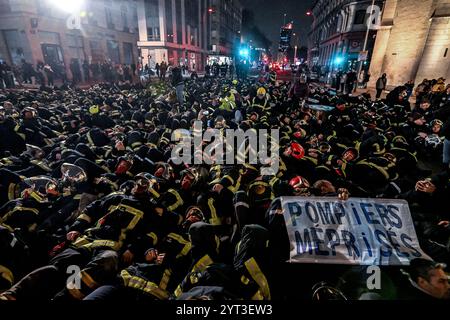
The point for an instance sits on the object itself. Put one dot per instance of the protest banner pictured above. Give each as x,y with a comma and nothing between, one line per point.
357,231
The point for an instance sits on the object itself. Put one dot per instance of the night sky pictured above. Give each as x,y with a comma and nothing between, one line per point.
269,17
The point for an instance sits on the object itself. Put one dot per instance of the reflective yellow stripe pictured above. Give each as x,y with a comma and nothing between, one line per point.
11,191
138,214
35,196
9,213
6,274
187,247
133,145
259,277
229,179
89,138
273,181
6,226
202,263
179,201
41,165
245,280
314,161
143,285
237,186
165,279
198,267
178,291
22,135
85,217
81,241
154,237
177,237
343,146
373,165
84,242
214,220
258,296
181,240
104,243
153,192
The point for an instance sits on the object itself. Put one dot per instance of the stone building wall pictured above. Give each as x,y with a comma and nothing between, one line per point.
412,41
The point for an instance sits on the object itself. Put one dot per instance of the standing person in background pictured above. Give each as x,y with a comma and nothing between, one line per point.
27,71
127,73
351,80
133,70
409,88
361,77
381,85
178,84
343,81
50,74
76,72
338,79
158,71
85,67
366,79
163,69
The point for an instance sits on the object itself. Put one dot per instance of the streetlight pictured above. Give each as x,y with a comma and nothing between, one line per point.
309,13
366,38
295,54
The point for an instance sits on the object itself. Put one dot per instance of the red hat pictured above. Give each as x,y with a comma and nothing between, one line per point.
297,150
299,184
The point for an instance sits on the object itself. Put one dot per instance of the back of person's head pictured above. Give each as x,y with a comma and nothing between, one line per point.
420,268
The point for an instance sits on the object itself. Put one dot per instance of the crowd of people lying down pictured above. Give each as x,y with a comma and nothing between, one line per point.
89,188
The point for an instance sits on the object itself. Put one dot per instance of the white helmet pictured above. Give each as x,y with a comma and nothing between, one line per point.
433,141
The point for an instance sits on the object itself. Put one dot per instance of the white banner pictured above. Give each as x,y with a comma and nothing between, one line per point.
356,231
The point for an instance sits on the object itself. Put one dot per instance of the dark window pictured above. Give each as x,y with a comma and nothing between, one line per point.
169,21
179,22
360,16
4,6
152,19
128,53
124,15
113,50
43,8
109,19
445,53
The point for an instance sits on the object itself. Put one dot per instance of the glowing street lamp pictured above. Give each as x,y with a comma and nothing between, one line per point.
338,60
244,53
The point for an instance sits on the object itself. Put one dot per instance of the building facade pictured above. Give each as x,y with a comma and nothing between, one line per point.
186,32
42,31
413,42
338,32
226,24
